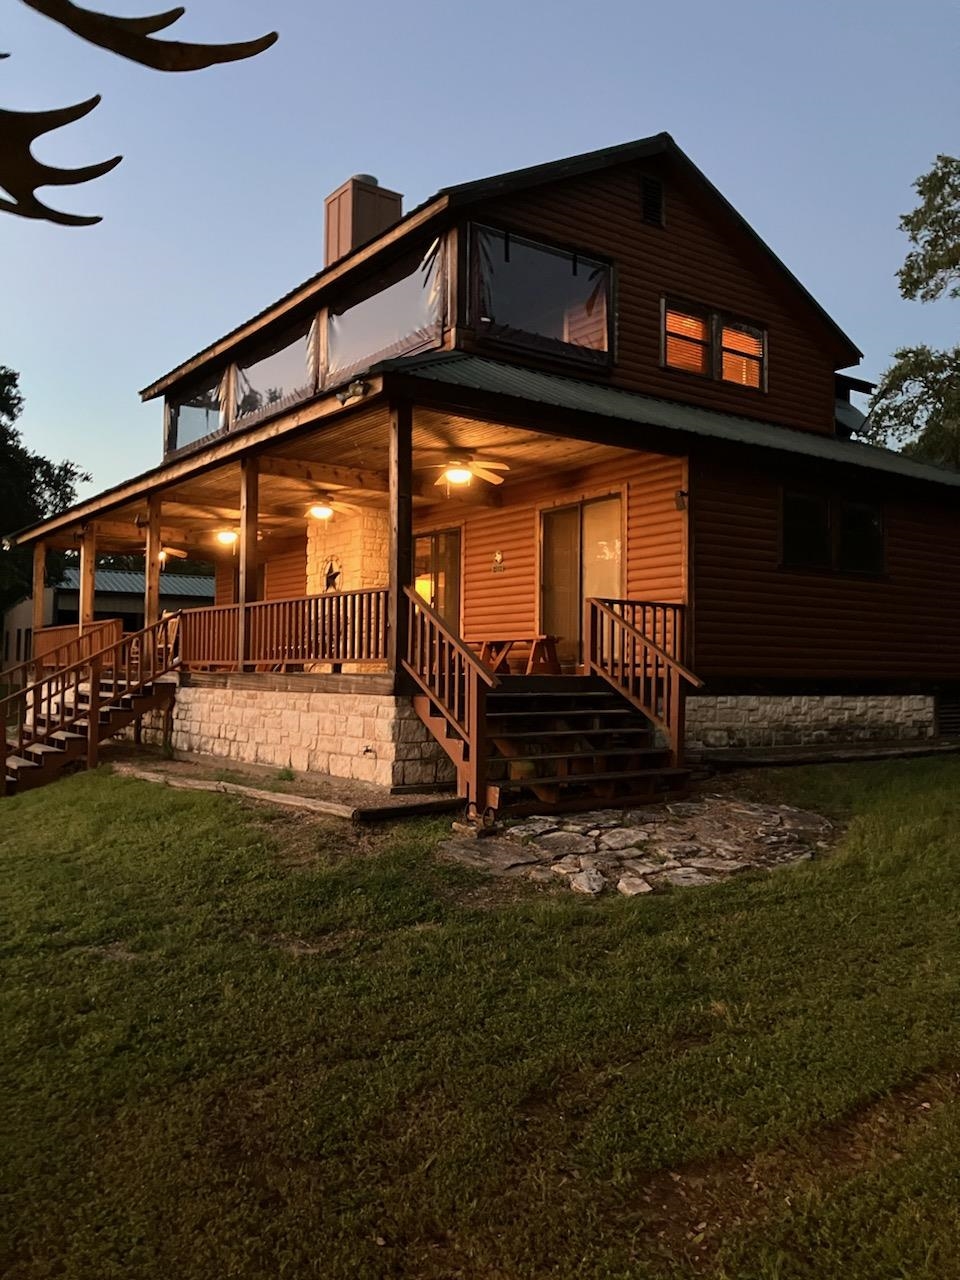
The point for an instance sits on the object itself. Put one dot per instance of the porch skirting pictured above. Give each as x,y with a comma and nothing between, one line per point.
767,721
374,737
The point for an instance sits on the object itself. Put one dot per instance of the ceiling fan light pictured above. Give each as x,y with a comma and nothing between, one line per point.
227,537
320,511
457,473
163,555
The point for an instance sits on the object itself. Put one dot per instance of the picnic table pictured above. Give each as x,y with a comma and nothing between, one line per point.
541,656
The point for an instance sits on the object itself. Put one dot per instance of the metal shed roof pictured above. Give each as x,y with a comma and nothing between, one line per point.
131,583
481,374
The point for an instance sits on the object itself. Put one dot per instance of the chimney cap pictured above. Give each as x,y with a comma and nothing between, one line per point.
368,178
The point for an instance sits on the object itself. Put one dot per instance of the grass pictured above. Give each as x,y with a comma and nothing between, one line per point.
239,1043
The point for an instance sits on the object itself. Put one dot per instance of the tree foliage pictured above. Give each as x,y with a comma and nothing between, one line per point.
932,267
31,489
916,406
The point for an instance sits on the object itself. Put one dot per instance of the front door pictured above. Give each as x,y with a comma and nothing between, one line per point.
580,558
436,570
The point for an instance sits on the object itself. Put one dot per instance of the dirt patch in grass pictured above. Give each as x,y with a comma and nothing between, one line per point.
329,944
689,1212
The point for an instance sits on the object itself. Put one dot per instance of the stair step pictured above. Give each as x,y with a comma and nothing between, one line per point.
538,713
618,731
588,779
16,763
581,755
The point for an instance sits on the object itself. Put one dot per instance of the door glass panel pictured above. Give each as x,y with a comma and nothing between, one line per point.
561,580
436,573
601,549
581,559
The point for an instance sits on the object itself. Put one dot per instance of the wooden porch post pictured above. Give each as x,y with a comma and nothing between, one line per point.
247,587
151,591
88,571
39,585
401,532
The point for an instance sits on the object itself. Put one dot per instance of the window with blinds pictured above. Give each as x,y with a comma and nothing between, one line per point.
741,354
713,345
687,341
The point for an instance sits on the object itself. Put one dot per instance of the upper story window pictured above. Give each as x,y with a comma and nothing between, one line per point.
714,345
540,298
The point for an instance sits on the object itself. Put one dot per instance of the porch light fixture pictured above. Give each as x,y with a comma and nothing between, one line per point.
681,498
227,537
457,473
320,511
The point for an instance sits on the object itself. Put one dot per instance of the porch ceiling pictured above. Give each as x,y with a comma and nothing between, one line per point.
347,459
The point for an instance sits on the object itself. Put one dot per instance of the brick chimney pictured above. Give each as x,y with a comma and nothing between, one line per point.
358,211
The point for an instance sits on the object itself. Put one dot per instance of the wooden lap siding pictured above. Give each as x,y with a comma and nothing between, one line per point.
754,620
699,255
509,601
284,573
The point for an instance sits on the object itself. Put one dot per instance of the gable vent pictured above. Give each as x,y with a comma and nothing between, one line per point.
948,715
651,200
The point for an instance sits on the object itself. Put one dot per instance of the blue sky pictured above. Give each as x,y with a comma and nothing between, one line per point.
813,119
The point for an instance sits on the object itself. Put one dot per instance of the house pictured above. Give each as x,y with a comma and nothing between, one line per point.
118,595
533,487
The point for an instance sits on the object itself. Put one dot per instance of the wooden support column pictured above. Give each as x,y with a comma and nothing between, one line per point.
247,578
88,575
401,533
151,591
39,586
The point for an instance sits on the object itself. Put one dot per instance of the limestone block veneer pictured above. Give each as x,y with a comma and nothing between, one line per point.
372,737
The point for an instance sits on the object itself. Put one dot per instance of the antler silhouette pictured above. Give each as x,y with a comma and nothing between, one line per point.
21,173
130,37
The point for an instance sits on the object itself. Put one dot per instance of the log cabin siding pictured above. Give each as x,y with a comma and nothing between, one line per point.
753,620
701,256
225,581
285,570
654,558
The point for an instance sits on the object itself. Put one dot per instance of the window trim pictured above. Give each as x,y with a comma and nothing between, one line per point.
718,319
835,501
571,354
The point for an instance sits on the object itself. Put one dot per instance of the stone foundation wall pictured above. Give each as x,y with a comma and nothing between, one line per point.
375,738
755,721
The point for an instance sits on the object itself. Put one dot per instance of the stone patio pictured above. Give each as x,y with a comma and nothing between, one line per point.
638,851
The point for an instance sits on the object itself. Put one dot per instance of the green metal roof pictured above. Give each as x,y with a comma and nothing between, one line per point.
477,373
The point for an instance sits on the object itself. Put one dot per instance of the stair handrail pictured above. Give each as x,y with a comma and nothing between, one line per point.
455,682
654,685
140,661
38,661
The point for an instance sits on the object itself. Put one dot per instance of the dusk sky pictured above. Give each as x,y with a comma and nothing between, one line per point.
812,118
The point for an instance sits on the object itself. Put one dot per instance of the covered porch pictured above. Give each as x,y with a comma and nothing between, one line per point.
358,570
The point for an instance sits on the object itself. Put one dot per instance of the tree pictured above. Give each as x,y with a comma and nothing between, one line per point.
31,489
916,405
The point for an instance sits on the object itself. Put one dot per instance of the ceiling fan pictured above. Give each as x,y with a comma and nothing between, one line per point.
461,468
323,507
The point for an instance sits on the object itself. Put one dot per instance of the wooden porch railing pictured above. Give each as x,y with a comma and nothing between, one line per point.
56,702
56,647
642,665
208,637
340,626
454,683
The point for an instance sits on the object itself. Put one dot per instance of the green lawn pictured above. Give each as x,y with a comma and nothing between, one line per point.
240,1044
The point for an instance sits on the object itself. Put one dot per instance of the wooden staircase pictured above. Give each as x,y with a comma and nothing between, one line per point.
572,742
61,720
543,743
